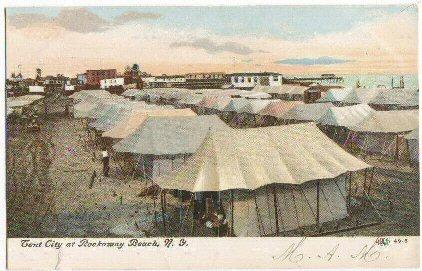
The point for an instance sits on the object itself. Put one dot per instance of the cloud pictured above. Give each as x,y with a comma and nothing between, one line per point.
213,47
324,60
131,16
28,19
79,20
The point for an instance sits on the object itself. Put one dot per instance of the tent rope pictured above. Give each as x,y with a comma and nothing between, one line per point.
309,204
341,193
260,225
294,204
326,199
268,208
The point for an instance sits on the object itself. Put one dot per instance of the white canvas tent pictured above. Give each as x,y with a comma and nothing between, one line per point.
396,98
129,124
362,95
307,112
379,133
161,144
307,167
335,95
346,116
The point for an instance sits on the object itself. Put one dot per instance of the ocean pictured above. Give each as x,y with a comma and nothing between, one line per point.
370,81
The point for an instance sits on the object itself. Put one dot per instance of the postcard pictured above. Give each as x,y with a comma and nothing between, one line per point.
212,136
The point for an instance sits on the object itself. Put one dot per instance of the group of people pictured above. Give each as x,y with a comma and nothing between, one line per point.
209,211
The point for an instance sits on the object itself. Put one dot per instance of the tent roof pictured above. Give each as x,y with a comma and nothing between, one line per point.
290,89
235,105
396,121
130,123
191,99
403,97
346,116
252,158
307,112
169,135
413,135
131,92
279,108
254,95
335,95
221,103
208,101
254,106
362,95
112,116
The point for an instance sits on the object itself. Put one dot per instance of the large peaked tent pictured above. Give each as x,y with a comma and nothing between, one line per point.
300,159
307,112
126,126
379,132
161,144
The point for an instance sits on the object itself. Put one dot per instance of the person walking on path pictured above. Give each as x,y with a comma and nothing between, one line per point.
106,161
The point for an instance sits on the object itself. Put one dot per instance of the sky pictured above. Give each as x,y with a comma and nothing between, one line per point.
177,40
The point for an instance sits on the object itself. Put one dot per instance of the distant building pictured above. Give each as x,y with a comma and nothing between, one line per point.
36,90
205,80
190,80
93,77
112,82
167,81
81,77
53,83
249,80
16,78
148,81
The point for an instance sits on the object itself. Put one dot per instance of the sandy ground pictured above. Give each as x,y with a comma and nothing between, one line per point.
113,207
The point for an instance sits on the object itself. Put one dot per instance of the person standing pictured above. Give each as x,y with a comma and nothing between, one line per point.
106,161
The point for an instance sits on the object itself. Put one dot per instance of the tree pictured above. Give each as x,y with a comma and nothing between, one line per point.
39,73
135,67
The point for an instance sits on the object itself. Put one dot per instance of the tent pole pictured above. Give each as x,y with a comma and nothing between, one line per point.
317,209
370,180
155,211
163,212
397,147
349,197
277,230
408,151
193,214
181,208
232,213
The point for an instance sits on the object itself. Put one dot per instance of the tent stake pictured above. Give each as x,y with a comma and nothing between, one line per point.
277,231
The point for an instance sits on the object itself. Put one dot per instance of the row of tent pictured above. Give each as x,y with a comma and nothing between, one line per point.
19,104
278,178
189,96
377,97
372,131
